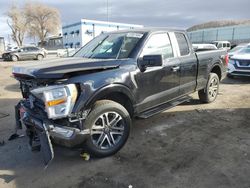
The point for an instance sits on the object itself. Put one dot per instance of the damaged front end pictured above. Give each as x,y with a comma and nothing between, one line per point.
46,112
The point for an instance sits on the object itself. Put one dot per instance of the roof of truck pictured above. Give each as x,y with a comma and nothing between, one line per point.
149,29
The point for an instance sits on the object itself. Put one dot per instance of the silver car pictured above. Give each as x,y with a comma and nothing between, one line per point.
239,64
25,53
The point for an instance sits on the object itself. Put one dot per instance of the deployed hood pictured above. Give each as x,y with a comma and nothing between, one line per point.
60,68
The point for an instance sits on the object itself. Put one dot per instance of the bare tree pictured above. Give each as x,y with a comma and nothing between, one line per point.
18,24
42,19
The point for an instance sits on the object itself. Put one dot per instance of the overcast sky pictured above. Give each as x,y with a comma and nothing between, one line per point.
163,13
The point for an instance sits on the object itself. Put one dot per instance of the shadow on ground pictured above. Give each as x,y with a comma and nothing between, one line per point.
13,87
237,80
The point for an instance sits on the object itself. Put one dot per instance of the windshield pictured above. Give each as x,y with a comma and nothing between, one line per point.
245,50
110,46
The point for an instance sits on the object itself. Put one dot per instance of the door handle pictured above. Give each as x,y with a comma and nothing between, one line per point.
175,68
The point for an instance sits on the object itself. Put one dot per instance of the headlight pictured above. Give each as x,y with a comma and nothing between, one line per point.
232,61
59,100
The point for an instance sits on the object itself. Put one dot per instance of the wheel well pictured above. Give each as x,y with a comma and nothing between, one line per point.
122,99
39,54
216,69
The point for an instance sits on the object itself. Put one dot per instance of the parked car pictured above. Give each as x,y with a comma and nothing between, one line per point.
236,49
226,45
25,53
204,47
239,64
90,99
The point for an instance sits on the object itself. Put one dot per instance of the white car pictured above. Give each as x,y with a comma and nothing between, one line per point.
226,45
239,64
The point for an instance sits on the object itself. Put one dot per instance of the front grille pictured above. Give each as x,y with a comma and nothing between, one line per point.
244,63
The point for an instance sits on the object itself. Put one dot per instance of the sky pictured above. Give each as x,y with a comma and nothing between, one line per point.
156,13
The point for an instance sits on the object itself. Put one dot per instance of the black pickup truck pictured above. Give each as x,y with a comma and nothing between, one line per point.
89,100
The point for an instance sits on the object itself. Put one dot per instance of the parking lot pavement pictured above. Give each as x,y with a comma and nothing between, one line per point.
191,145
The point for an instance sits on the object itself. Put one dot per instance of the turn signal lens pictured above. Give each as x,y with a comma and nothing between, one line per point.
56,102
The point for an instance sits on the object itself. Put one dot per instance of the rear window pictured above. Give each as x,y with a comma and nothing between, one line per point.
183,44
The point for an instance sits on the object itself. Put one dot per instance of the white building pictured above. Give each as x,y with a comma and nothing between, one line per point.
78,34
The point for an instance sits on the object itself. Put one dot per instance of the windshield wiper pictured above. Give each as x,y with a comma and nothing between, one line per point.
99,44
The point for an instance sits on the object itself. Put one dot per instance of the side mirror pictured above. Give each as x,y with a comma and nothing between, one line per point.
20,50
150,61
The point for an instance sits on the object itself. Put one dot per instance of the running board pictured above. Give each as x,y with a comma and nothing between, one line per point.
163,107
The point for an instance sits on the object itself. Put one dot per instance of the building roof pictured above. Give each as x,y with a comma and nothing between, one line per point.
104,23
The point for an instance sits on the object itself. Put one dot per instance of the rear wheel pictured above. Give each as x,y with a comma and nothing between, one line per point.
39,57
14,58
109,124
210,93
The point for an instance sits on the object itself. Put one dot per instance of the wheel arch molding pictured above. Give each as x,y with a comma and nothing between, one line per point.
106,92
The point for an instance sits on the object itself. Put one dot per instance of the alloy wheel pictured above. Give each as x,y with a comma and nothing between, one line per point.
213,88
107,130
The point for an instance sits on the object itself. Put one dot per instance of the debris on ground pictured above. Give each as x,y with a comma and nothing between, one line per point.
85,156
15,136
2,143
130,186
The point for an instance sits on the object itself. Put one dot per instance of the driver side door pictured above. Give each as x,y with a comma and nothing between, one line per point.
158,85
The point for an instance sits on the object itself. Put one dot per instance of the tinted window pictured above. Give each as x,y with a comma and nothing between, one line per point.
33,48
158,44
24,49
183,44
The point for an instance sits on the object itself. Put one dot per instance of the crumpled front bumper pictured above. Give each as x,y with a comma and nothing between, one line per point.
48,131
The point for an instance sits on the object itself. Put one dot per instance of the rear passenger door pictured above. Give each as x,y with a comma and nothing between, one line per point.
22,52
188,64
33,52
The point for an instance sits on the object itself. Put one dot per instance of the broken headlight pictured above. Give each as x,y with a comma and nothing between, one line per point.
59,100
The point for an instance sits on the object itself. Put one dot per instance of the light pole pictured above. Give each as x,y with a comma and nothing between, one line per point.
107,10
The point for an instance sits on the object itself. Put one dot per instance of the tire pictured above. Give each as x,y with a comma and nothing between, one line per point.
106,139
209,94
39,57
14,58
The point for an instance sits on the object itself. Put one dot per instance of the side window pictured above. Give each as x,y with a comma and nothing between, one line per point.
25,49
183,44
224,45
220,45
158,44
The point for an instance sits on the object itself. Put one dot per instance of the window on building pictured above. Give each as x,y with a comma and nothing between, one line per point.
158,44
183,44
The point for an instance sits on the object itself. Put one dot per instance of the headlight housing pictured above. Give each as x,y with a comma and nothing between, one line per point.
231,61
59,100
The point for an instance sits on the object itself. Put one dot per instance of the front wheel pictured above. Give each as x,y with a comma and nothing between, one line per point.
14,58
39,57
209,94
109,124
